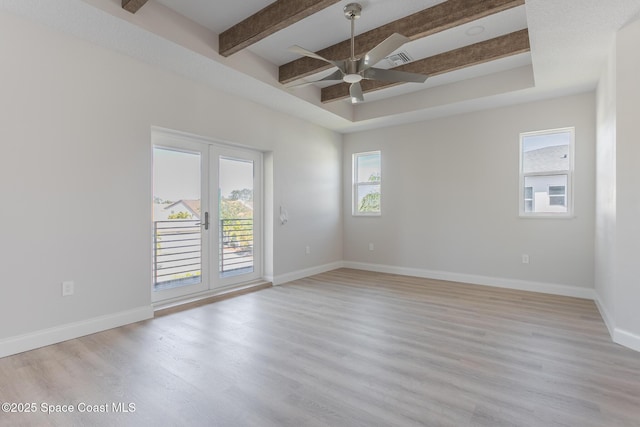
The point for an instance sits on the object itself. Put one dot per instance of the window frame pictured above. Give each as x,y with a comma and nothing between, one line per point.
562,196
526,199
569,190
357,185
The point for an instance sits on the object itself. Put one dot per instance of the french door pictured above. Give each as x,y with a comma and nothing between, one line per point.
207,222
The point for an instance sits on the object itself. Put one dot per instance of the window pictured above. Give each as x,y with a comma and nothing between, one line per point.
557,195
528,199
546,167
367,183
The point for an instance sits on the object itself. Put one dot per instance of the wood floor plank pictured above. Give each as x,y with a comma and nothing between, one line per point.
343,348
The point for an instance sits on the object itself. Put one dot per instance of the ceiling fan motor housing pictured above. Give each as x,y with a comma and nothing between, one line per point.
352,11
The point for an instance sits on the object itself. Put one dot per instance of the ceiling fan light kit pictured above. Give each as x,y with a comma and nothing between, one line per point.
353,70
352,78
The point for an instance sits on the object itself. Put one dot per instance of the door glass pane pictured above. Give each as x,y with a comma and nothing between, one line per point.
177,245
236,217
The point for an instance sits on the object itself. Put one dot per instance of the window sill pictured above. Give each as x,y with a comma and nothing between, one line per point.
547,216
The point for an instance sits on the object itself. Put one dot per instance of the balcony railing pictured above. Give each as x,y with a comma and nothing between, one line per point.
236,246
177,257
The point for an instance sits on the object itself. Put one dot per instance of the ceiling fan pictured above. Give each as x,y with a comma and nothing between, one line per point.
353,70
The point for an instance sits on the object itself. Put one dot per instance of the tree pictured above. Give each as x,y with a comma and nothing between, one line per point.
245,195
236,215
159,201
370,203
234,209
180,215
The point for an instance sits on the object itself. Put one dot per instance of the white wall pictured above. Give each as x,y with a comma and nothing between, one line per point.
618,207
450,201
75,137
627,297
605,231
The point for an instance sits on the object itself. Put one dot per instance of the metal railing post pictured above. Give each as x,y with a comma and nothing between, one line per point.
222,246
155,252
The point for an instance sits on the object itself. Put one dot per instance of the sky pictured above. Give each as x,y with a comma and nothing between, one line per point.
176,175
368,165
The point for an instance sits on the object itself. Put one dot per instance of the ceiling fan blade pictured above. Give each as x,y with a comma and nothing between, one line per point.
335,76
394,76
382,50
302,51
355,90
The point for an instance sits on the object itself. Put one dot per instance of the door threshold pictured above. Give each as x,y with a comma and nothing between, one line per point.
163,308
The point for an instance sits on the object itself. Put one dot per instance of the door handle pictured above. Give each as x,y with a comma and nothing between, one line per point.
206,221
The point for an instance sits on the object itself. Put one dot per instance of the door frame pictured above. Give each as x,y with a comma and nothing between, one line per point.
210,151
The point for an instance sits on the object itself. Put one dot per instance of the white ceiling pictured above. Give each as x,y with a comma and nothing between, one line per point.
329,26
569,43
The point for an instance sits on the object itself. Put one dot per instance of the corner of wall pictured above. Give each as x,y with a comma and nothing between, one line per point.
269,215
608,319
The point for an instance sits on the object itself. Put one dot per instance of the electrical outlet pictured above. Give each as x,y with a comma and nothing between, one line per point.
307,250
525,259
67,288
371,246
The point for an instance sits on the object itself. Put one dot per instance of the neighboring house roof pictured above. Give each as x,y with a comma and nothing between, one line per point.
545,159
193,206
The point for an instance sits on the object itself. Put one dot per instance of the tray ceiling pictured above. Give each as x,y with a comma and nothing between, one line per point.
478,53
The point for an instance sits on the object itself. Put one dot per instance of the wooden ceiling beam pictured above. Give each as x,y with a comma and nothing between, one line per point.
133,5
490,50
278,15
440,17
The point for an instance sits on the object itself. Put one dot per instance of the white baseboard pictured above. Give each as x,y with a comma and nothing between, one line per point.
606,316
301,274
523,285
268,278
30,341
627,339
44,337
619,336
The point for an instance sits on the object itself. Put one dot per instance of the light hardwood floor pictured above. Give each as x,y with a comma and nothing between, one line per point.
344,348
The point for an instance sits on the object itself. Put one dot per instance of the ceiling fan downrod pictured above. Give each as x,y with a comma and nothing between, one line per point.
352,11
